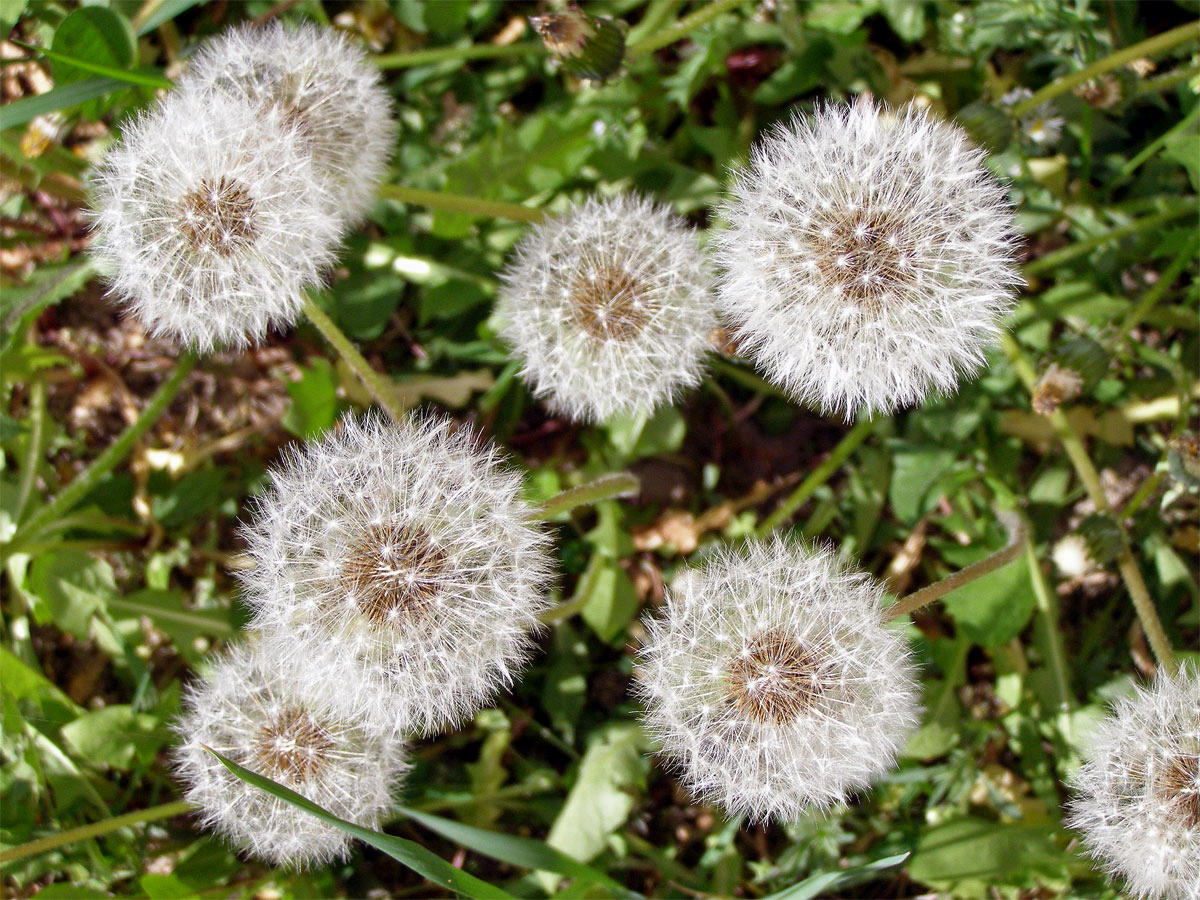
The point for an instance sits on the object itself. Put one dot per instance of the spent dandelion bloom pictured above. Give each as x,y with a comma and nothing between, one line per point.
208,222
608,306
252,709
868,258
773,684
321,82
1137,794
405,558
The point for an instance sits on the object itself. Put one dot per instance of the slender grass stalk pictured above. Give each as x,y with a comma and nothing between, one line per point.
822,473
1079,248
109,459
97,829
604,488
1047,607
939,589
1148,47
496,209
680,29
1084,468
371,380
1156,291
430,55
33,449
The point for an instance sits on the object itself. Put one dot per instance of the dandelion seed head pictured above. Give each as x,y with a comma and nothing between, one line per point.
868,258
608,307
203,236
401,559
322,84
772,683
1137,796
251,710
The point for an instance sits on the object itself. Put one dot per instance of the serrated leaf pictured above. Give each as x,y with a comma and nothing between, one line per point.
72,585
115,736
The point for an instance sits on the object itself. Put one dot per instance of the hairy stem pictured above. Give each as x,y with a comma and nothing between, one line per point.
442,54
604,488
680,29
33,449
1126,564
1148,47
822,473
110,458
1079,248
370,379
70,836
495,209
939,589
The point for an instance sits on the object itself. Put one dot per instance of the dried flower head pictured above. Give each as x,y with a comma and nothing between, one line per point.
1055,386
1138,792
609,308
400,559
588,46
208,221
868,259
251,709
321,82
772,682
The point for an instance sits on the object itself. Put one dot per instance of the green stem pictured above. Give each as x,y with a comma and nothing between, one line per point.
1149,150
1126,564
442,54
1047,606
1165,280
1165,82
1050,260
496,209
620,485
110,458
1141,495
680,29
939,589
1148,47
33,449
41,845
822,473
371,380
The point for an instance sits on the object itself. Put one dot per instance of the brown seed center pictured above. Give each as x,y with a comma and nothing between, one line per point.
292,745
865,256
218,215
394,572
776,679
608,304
1178,786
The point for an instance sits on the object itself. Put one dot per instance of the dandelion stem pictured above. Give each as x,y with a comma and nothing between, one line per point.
442,54
370,379
1079,248
33,449
680,29
1126,564
621,485
1047,607
496,209
926,595
848,444
1148,47
97,829
110,458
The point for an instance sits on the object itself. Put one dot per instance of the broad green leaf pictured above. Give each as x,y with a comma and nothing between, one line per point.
166,609
981,852
22,682
612,599
116,736
907,17
49,285
518,851
95,36
611,773
916,470
72,585
314,401
166,887
194,495
422,861
994,609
